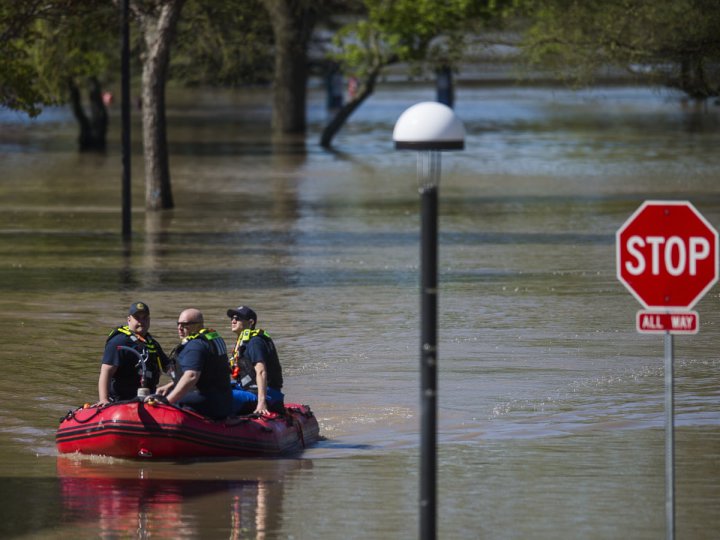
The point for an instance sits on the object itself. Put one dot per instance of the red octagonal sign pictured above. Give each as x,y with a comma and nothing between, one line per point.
667,255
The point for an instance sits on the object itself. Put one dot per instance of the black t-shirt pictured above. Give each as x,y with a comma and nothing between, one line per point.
127,379
212,395
201,355
261,350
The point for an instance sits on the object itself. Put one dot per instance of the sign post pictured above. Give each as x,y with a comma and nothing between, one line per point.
667,257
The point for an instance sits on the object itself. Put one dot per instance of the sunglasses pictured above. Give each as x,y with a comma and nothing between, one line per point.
187,323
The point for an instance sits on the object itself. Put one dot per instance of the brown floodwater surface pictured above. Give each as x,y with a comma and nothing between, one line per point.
550,403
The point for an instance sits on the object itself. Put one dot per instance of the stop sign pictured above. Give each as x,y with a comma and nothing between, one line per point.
667,255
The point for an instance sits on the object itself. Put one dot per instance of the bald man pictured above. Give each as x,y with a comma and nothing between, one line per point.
202,362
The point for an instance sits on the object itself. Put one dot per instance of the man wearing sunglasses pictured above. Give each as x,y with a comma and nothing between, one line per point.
255,366
203,384
132,358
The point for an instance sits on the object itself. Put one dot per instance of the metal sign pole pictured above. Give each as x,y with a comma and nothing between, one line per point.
429,177
669,440
667,257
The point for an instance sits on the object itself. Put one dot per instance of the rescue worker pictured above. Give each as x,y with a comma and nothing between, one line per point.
123,369
255,366
204,383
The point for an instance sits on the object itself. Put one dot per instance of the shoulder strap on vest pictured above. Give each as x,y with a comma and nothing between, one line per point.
120,330
250,333
207,333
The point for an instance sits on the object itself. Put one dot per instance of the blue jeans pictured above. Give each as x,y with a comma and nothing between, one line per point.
244,401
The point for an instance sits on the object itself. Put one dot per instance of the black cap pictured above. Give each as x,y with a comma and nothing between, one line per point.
242,312
138,306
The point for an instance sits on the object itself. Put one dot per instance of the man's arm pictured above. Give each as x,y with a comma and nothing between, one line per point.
258,352
261,380
186,384
165,389
106,373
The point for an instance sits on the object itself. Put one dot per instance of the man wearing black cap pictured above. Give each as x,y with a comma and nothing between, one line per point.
122,370
256,366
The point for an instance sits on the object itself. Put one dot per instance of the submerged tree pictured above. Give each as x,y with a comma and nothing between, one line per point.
422,33
52,52
73,59
53,49
293,22
158,23
669,42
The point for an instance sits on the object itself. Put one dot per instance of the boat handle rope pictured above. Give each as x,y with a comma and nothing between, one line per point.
300,431
71,413
161,400
307,413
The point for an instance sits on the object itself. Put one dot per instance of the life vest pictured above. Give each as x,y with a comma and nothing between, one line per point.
217,344
243,370
153,366
212,336
214,377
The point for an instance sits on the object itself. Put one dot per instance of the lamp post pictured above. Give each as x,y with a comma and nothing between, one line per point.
428,128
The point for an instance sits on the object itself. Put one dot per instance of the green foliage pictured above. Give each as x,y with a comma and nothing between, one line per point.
74,48
17,85
16,74
673,42
420,32
47,44
225,43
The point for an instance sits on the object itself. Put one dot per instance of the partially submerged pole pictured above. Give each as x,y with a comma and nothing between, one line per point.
428,128
125,112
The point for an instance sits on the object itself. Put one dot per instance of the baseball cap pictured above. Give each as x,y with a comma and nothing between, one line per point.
242,312
138,306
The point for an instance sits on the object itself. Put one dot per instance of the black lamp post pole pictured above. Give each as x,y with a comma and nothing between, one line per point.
428,176
125,97
428,128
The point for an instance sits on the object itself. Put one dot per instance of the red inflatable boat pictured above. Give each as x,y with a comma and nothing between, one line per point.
156,430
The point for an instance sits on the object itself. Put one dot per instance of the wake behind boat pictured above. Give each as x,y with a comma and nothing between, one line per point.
157,430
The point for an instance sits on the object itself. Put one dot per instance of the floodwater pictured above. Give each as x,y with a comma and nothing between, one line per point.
551,421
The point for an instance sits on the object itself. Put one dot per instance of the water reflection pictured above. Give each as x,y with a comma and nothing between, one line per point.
123,499
156,236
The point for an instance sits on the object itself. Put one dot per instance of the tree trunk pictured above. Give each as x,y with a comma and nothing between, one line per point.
93,128
338,121
293,22
158,29
80,116
98,115
692,79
